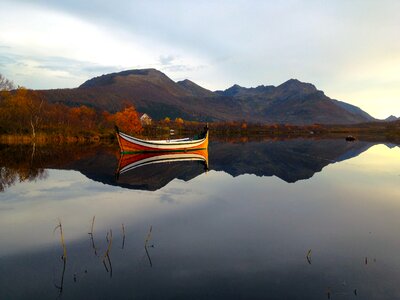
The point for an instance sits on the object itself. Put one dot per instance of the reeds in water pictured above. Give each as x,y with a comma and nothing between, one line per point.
106,257
123,236
91,236
64,256
109,240
148,236
146,244
308,256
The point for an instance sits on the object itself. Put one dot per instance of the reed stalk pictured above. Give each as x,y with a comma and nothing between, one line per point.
109,245
308,256
148,236
64,256
123,236
92,228
91,236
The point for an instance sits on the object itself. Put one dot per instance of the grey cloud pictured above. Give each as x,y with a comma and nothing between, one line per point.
177,68
5,60
166,59
72,66
71,72
57,63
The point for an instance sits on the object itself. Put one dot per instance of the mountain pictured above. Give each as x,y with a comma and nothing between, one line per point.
151,91
354,109
391,118
295,102
194,90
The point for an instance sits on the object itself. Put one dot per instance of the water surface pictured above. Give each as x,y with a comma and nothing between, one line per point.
241,230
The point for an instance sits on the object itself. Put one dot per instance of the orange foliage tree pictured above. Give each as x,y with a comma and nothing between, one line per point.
22,110
128,120
83,116
179,121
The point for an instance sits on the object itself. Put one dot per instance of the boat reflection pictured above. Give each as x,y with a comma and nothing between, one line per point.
153,170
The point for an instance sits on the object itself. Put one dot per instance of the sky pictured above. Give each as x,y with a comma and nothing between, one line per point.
350,49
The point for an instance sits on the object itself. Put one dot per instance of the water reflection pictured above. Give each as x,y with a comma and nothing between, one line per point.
26,163
290,160
152,171
220,237
18,164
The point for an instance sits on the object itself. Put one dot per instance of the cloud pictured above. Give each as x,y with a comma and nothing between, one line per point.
6,60
72,66
166,59
55,66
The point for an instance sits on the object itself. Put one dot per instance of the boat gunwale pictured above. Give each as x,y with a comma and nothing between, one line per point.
162,150
187,141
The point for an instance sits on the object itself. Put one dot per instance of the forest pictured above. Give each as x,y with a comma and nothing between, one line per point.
25,112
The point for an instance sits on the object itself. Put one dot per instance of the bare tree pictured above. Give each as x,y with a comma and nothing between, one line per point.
5,84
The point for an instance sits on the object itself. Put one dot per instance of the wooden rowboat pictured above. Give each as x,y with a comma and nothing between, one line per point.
129,144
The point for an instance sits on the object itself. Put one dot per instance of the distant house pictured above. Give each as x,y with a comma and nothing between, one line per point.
145,119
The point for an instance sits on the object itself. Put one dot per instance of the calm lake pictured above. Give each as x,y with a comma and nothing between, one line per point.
290,219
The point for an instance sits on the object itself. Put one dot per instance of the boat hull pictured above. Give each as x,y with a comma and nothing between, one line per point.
129,144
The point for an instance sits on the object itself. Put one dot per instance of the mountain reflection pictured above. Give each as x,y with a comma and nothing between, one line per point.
290,160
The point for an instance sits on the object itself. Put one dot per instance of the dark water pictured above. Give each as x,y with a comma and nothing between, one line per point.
295,219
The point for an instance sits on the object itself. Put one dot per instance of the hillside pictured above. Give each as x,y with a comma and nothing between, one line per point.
391,118
153,92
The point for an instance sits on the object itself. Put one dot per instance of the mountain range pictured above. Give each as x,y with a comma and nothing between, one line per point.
154,93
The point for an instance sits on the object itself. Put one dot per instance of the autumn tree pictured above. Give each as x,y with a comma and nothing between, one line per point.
31,103
22,110
106,120
56,117
83,117
179,121
128,120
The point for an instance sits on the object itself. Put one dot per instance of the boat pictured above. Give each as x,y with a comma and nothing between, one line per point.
129,144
